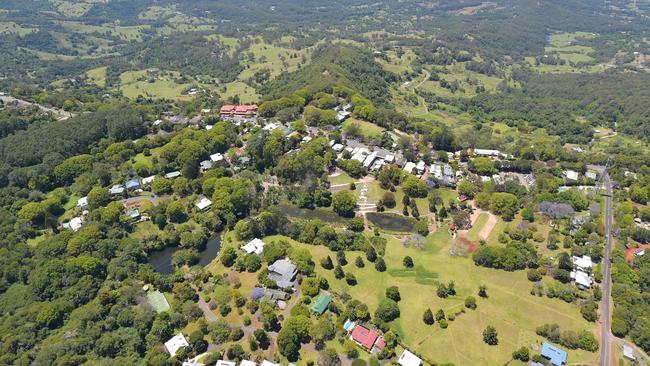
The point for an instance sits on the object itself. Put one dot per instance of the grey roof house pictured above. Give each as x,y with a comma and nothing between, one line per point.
283,272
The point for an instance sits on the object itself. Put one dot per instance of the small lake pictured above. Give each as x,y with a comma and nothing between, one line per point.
391,222
161,260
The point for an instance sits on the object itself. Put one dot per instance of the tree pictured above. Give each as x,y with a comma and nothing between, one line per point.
262,338
228,257
176,212
371,254
490,336
356,225
380,265
504,204
359,262
407,262
440,315
467,188
350,279
414,186
341,259
389,200
161,186
98,197
522,354
482,291
462,220
427,317
338,272
327,263
387,310
393,293
236,353
533,275
482,166
343,203
329,357
470,302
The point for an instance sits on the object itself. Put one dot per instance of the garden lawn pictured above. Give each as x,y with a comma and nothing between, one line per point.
510,308
473,233
368,129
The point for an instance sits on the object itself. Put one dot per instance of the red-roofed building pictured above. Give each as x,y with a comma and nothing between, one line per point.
238,112
364,337
381,343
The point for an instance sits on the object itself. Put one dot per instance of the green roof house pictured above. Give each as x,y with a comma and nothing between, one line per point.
320,304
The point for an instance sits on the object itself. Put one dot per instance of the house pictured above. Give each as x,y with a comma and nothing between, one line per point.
179,119
487,153
205,165
148,180
209,127
255,246
217,158
174,174
583,279
133,214
132,184
591,175
244,160
408,359
364,337
556,355
583,263
321,303
116,189
337,147
247,363
192,363
283,272
176,343
436,171
157,122
409,167
420,167
639,252
271,295
203,204
577,222
628,352
82,202
239,113
571,175
76,223
272,126
367,162
269,363
225,363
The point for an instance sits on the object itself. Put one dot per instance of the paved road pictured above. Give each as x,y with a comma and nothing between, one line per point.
60,114
605,314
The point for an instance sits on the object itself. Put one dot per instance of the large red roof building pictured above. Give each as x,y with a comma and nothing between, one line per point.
239,110
364,336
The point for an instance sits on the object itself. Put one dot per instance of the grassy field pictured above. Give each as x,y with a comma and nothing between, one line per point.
567,46
368,129
163,86
473,233
510,308
98,76
245,92
398,64
274,58
11,27
126,33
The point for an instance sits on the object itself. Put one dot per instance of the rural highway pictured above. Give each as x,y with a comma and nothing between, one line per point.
605,314
58,113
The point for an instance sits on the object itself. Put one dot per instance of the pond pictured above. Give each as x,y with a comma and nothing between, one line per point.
391,222
162,260
324,215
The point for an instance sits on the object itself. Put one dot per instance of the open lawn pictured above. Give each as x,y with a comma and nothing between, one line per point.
510,308
11,27
160,86
245,92
97,76
473,233
367,129
274,58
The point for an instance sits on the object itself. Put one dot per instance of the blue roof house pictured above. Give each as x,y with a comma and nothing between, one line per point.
554,354
132,184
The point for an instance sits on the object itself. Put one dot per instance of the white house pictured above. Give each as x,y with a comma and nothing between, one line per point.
571,175
583,262
409,359
409,167
216,157
225,363
76,223
583,279
420,167
82,202
116,189
148,180
174,174
269,363
247,363
255,246
176,343
486,152
628,352
203,204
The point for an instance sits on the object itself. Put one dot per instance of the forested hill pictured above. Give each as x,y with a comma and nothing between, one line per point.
616,100
337,64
